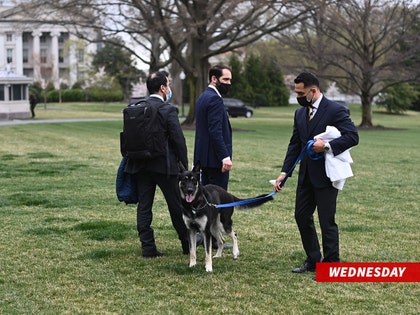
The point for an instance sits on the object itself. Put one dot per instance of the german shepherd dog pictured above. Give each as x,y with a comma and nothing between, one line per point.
200,214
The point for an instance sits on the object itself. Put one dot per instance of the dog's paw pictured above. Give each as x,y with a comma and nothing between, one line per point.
209,268
192,264
235,255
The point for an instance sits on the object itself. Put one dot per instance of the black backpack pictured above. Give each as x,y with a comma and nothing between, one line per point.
144,135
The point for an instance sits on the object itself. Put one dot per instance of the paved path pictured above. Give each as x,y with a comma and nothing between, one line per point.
46,121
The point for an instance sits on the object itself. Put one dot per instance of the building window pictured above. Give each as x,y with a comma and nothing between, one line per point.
80,55
16,92
60,55
2,92
43,55
61,39
43,38
9,37
9,55
25,37
25,55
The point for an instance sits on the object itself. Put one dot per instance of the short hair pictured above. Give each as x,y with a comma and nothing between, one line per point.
155,80
217,71
308,79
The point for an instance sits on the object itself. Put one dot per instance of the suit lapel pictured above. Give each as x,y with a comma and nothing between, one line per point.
302,121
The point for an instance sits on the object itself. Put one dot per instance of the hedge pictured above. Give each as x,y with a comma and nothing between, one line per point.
80,95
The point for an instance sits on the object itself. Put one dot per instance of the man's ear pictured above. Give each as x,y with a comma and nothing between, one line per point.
213,79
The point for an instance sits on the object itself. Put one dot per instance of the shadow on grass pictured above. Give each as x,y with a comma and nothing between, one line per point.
105,230
94,230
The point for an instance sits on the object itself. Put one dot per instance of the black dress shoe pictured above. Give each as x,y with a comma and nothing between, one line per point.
227,246
305,268
153,254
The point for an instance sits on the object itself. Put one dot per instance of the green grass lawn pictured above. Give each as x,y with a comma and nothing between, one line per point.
67,246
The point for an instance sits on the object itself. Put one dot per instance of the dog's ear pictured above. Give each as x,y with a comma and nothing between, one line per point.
181,167
197,167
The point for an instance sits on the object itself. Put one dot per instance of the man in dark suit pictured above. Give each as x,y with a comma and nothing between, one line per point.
314,188
161,171
213,133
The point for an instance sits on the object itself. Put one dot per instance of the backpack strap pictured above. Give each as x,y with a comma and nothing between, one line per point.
137,103
159,106
167,143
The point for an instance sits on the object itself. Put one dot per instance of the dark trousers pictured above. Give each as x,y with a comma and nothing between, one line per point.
146,188
215,176
307,199
33,105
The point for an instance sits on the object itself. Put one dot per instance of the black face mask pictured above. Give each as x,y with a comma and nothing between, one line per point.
303,101
223,88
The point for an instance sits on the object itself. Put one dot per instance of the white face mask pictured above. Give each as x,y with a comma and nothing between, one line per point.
169,95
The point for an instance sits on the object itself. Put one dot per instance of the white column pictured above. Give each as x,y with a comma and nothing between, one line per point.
54,57
36,55
2,52
73,65
18,54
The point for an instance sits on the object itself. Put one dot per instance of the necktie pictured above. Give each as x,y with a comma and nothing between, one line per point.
311,112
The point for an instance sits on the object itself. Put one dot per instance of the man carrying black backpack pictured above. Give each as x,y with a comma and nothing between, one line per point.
161,170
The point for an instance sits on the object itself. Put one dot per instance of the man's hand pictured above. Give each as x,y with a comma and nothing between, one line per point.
278,181
318,146
227,166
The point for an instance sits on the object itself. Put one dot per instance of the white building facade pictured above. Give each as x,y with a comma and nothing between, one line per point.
36,52
45,52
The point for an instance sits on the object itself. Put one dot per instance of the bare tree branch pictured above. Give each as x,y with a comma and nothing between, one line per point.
364,46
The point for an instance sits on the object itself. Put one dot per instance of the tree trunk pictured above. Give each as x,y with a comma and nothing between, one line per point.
366,111
190,119
197,78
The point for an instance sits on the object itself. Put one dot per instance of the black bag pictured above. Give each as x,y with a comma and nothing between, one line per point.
144,135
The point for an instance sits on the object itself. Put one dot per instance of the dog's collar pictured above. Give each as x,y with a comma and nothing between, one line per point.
207,202
194,210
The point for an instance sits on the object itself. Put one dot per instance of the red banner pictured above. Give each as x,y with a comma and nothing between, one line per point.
368,272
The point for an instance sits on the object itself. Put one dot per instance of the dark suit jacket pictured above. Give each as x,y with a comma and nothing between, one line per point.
213,133
328,113
176,142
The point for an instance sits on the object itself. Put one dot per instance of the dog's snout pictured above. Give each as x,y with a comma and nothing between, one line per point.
190,188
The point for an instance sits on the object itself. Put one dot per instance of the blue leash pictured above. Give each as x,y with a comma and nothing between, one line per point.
306,149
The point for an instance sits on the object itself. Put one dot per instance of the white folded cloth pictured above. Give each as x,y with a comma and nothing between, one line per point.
337,167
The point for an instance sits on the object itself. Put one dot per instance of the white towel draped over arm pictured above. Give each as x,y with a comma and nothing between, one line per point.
338,167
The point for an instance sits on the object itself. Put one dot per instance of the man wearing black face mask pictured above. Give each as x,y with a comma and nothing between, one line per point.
314,188
213,133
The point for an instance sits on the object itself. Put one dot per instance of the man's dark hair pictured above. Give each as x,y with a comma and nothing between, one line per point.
155,80
308,79
217,71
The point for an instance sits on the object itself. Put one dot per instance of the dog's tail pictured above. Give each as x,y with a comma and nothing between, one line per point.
254,202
